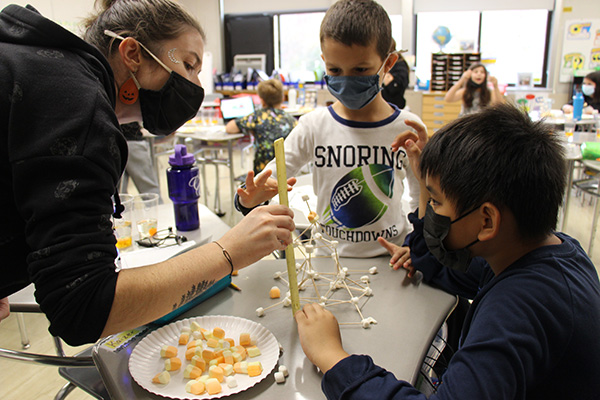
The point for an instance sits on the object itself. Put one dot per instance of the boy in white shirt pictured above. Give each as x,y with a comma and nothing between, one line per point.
357,178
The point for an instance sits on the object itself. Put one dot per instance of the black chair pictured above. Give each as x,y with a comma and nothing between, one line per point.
78,370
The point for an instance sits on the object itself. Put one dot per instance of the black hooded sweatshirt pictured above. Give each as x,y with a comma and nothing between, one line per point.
61,156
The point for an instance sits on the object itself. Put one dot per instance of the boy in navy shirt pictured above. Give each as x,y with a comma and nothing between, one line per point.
491,185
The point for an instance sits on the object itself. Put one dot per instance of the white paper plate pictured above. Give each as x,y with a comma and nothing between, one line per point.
145,361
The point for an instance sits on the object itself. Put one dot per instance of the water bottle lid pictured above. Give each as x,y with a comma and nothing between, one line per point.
181,157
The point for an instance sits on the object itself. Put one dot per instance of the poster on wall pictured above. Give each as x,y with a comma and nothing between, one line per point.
581,48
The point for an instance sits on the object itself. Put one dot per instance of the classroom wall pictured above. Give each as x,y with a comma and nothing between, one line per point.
210,13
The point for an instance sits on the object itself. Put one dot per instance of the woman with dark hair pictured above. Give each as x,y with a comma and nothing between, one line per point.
591,94
62,154
472,89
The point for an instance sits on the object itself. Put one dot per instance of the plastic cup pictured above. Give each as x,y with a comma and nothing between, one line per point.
569,128
145,209
122,226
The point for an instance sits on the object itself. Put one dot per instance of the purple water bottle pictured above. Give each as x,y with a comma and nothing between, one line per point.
184,188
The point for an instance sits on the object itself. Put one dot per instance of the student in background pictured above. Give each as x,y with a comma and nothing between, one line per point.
395,81
472,89
591,94
140,167
492,183
357,179
267,124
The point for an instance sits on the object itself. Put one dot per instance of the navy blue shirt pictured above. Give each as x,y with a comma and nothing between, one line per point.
532,332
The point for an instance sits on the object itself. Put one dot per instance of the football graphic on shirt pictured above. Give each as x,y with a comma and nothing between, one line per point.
360,198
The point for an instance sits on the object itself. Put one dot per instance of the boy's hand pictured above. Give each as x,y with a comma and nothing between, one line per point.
320,338
261,189
400,254
413,143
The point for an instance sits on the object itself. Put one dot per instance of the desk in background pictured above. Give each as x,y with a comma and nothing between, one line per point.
408,317
206,152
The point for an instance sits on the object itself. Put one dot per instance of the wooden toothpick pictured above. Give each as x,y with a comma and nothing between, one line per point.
283,199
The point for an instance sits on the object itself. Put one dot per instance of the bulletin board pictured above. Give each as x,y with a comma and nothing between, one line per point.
581,48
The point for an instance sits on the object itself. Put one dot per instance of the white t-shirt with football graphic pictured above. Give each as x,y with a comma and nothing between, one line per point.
358,180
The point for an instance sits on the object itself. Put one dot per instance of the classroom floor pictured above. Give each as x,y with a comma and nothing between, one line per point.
23,381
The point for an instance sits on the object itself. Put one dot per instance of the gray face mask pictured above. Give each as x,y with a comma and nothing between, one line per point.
355,92
436,228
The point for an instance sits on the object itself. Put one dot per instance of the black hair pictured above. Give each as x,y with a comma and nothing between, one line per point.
595,77
501,156
360,22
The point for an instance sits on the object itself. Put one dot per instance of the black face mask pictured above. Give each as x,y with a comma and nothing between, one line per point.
166,110
474,85
435,230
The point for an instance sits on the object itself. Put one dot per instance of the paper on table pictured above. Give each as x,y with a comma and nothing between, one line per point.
153,255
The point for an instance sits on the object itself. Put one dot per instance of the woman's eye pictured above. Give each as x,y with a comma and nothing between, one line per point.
433,203
189,67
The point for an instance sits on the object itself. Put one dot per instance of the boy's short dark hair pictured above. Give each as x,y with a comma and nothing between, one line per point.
271,92
499,155
359,22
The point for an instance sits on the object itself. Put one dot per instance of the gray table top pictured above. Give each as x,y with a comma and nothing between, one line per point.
409,315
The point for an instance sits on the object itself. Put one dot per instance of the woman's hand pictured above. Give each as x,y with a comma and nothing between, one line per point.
258,234
320,338
260,189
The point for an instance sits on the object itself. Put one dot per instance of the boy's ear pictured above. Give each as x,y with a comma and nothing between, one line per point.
490,221
131,54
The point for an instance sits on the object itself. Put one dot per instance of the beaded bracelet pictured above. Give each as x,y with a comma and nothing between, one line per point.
227,256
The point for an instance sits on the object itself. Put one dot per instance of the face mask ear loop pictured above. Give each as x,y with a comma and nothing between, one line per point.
162,64
383,65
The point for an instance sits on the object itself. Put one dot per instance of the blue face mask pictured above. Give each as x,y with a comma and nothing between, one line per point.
354,92
588,90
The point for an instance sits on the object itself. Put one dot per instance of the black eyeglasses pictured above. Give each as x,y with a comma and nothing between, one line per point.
162,238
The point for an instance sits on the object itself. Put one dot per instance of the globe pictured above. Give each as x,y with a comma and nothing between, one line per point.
441,35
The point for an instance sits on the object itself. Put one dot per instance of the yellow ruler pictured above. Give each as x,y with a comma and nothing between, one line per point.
283,199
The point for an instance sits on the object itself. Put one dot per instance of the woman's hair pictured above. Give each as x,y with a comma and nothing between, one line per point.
484,94
148,21
595,77
271,92
359,22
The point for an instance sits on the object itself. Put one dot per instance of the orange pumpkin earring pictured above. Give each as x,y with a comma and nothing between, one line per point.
128,92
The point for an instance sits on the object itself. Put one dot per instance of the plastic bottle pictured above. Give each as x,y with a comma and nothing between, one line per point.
292,97
184,188
301,95
577,106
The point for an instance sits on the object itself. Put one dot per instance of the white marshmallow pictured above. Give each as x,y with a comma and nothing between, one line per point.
354,300
305,197
231,381
365,279
283,369
373,270
368,292
260,311
279,377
